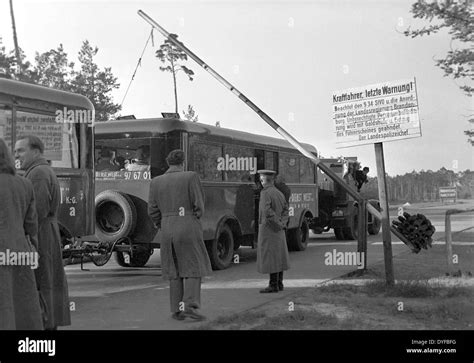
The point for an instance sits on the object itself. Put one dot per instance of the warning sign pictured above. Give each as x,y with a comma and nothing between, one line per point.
376,113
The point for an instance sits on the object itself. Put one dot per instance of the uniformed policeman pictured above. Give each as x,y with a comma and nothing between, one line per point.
176,204
272,250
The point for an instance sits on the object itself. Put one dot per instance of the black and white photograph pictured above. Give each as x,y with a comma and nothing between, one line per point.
205,170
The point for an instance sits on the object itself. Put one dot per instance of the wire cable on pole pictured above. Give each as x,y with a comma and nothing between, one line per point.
138,64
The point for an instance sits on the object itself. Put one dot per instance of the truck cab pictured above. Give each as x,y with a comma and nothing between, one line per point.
337,210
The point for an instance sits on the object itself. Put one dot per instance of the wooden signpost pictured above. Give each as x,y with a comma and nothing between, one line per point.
373,115
383,199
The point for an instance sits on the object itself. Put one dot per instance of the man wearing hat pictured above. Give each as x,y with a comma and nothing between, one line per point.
142,159
176,204
105,163
272,250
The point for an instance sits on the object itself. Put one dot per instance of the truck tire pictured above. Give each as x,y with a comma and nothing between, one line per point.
374,227
351,232
116,216
339,234
221,249
297,238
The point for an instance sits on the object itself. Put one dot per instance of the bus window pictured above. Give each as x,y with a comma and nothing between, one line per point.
242,164
306,171
259,154
60,139
289,167
161,146
204,160
122,155
4,116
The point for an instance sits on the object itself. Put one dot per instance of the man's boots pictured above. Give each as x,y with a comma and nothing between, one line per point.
280,281
273,284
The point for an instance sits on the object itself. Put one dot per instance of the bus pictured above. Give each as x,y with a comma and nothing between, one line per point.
129,153
64,122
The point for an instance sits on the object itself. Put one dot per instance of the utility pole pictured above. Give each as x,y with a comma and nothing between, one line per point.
15,39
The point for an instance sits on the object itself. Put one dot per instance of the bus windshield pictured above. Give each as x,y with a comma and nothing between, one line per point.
122,154
135,158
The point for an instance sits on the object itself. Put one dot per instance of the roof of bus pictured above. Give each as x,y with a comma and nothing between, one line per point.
163,125
41,93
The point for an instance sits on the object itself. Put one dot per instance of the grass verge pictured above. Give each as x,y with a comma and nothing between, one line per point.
413,302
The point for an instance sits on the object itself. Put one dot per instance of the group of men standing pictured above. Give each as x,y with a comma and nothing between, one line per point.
41,226
176,204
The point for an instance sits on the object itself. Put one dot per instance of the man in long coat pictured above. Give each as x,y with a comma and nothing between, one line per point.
19,301
50,275
176,204
272,250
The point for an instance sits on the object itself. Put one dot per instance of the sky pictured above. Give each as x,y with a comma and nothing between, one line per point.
288,57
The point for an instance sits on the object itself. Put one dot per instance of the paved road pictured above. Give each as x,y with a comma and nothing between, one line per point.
113,297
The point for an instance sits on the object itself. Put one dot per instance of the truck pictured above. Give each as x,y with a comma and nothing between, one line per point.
336,209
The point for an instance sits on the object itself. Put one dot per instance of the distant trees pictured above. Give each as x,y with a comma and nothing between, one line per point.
96,84
457,17
53,69
422,185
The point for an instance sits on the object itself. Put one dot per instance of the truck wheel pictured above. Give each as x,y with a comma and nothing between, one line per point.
116,216
339,234
351,232
297,238
374,227
221,249
139,258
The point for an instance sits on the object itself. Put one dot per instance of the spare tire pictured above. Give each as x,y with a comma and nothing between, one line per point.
115,216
